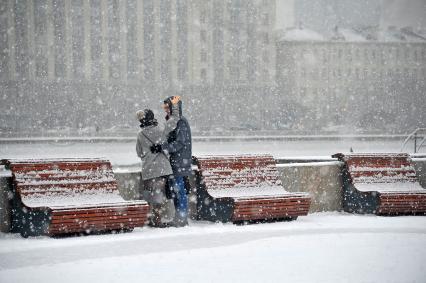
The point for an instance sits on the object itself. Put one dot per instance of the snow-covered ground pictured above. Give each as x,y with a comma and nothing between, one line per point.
123,153
323,247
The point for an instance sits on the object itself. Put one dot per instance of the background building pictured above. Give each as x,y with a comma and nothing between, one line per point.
93,63
372,80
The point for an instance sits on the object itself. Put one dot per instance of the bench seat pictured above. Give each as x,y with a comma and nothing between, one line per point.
381,183
244,188
62,196
240,192
396,187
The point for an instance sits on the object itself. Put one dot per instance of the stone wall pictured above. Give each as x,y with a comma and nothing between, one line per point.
322,180
420,165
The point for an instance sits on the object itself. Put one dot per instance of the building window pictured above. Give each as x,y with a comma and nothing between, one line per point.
95,39
21,42
77,37
203,56
324,73
314,73
148,41
266,74
324,56
40,38
203,16
265,56
265,19
414,73
4,70
114,39
132,53
349,55
203,74
407,54
59,38
265,38
357,53
203,35
234,73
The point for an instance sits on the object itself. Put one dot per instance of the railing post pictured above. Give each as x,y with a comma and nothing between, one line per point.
415,142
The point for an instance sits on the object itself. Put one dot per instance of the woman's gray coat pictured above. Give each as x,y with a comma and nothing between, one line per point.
155,164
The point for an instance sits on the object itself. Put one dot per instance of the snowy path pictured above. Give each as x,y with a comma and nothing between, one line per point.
324,247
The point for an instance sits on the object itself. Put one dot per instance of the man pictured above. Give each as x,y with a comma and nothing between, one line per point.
179,147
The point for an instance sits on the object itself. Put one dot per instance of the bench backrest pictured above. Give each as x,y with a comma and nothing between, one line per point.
61,177
379,167
220,172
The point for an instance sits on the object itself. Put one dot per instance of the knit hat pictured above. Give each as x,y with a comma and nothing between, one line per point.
140,114
146,117
146,114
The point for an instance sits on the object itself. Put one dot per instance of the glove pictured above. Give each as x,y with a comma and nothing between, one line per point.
156,148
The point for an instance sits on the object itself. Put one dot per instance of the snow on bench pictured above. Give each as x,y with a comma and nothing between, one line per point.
244,188
61,196
381,183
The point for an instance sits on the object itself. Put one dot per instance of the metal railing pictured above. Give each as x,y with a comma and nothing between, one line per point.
415,135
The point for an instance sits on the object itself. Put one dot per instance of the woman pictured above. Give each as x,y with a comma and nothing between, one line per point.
156,167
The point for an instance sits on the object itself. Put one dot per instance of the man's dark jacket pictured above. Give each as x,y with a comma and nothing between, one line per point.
179,146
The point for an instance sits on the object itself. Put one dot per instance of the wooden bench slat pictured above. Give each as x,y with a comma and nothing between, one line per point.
70,187
64,217
22,168
101,218
61,175
93,227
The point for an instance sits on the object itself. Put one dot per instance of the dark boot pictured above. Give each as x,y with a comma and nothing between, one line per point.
155,219
179,221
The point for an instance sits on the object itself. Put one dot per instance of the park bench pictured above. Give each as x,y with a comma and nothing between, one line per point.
244,188
66,196
381,183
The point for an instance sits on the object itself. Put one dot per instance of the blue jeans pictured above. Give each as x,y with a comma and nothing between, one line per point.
181,199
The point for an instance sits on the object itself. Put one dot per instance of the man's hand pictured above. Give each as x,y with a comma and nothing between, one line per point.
175,99
156,148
